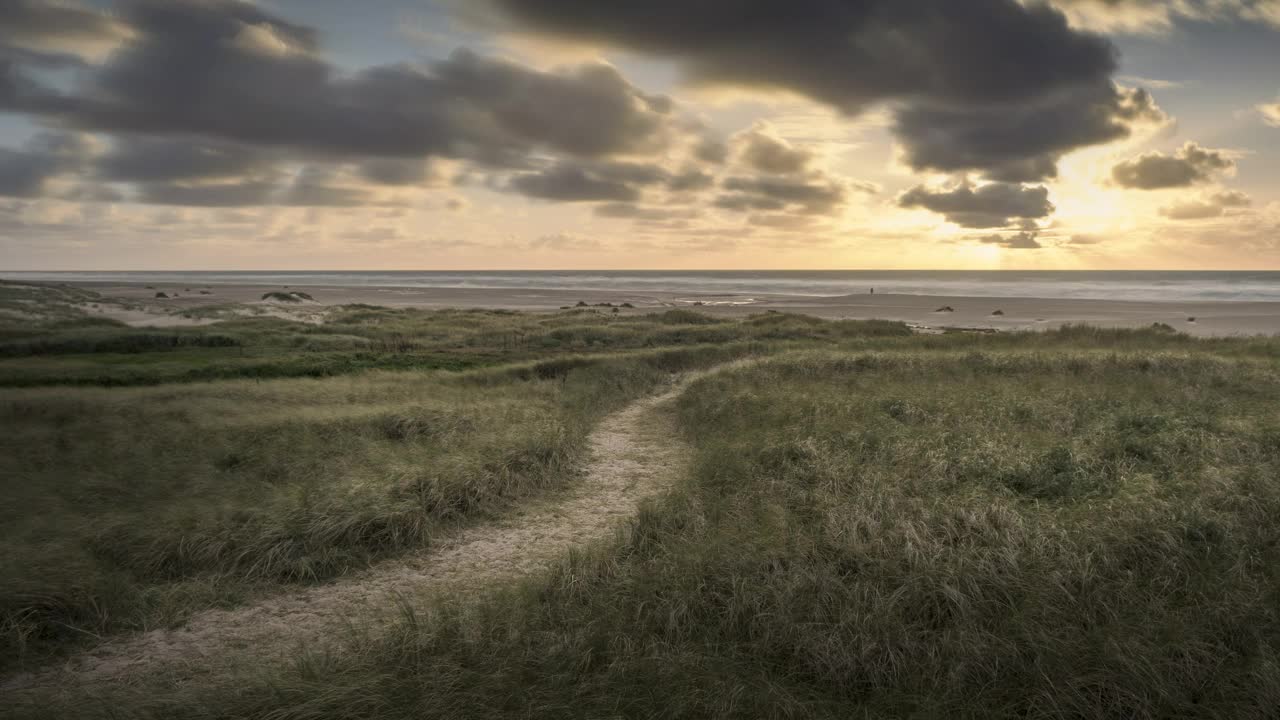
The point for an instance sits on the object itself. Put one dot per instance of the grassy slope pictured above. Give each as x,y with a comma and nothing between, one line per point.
129,508
1007,533
64,346
126,508
1070,524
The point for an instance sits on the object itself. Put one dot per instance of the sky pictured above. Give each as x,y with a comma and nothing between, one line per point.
664,134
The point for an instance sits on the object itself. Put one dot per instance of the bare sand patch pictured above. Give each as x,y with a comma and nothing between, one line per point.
145,317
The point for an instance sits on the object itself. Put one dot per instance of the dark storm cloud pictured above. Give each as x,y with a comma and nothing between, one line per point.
993,205
142,159
849,53
395,171
227,194
628,172
1020,143
589,111
813,196
18,91
569,182
316,186
1025,240
310,188
25,173
1191,164
313,195
1210,206
994,86
229,70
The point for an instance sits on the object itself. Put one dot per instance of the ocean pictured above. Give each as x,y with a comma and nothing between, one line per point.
1105,285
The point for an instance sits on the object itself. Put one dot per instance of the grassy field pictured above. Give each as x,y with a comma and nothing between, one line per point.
1071,524
46,338
148,473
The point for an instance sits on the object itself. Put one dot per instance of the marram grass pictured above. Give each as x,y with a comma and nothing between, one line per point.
1076,524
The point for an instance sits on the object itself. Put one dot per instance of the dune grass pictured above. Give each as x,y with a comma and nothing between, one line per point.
1078,523
1007,534
84,350
127,509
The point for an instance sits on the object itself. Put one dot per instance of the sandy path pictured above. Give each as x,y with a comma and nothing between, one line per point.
634,454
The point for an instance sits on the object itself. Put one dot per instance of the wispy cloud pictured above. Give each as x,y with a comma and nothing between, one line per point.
1150,83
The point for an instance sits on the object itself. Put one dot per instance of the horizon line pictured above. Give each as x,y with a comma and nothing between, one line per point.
656,270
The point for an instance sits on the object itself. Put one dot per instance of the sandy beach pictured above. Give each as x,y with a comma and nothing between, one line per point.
928,312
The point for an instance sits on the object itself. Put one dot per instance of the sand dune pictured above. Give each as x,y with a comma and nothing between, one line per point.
1210,318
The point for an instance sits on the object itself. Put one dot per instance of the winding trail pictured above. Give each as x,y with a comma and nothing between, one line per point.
634,454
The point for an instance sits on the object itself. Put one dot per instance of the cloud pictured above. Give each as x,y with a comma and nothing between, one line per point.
235,193
1270,113
585,182
396,171
629,211
690,180
711,151
56,32
1210,206
988,206
1191,164
784,223
766,153
770,174
308,186
211,102
26,173
1154,83
587,111
989,86
1025,240
1158,16
142,159
231,71
319,186
810,196
1020,143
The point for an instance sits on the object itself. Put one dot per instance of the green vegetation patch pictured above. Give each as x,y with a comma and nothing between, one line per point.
130,508
1077,523
893,534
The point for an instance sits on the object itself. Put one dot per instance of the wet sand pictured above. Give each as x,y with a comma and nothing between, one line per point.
1211,318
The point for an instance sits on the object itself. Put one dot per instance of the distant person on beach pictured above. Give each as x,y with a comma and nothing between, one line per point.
873,291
